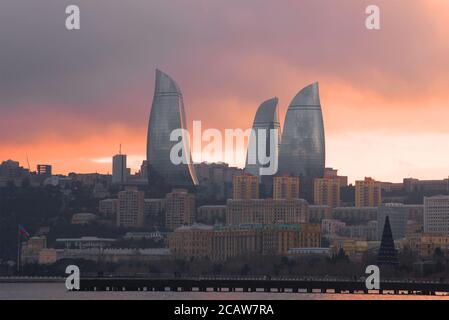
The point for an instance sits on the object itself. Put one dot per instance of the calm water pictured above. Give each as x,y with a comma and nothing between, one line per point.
53,291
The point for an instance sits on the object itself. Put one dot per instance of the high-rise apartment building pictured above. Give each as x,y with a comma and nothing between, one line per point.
333,173
179,208
119,170
11,171
368,193
44,170
436,214
286,187
245,187
130,208
326,191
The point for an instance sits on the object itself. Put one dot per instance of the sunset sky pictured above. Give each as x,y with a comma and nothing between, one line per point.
69,98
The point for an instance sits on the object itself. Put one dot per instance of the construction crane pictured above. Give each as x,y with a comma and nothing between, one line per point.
28,162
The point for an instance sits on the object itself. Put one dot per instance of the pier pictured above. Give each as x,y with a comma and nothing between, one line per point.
241,284
25,279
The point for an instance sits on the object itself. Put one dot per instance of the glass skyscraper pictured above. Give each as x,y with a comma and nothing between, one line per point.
302,151
167,114
267,118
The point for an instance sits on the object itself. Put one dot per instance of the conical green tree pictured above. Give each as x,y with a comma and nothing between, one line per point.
388,255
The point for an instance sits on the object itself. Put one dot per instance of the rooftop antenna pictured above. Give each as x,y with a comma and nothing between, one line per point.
120,149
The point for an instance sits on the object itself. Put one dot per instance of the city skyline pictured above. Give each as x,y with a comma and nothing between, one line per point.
382,105
194,150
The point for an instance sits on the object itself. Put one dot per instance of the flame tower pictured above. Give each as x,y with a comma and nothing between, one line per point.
167,114
302,151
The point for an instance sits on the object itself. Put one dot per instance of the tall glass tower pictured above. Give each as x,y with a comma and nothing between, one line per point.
167,114
266,119
302,151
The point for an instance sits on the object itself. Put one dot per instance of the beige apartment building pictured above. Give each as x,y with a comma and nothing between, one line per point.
224,242
130,208
424,244
285,187
179,208
191,241
368,193
266,211
333,173
245,187
326,191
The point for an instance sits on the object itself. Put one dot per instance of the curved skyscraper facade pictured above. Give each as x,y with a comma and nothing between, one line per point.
267,118
302,151
167,114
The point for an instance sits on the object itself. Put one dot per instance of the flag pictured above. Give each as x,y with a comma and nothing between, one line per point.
24,232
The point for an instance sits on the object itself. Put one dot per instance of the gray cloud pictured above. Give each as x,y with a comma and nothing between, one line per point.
211,47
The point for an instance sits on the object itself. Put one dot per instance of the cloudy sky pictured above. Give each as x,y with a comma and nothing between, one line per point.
69,98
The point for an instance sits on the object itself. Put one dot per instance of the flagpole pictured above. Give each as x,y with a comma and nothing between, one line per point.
19,245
